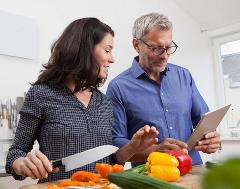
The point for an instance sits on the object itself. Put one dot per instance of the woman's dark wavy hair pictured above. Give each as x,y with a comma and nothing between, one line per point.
72,55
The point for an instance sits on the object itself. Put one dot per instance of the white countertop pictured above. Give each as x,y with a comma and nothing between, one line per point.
3,172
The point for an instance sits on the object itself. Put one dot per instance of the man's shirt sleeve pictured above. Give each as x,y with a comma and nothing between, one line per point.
119,129
199,106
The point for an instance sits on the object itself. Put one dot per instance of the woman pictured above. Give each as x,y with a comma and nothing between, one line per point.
64,110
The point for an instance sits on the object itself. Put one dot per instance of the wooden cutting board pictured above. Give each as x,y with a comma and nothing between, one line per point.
190,181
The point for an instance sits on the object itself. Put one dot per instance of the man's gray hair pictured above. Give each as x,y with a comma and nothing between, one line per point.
143,24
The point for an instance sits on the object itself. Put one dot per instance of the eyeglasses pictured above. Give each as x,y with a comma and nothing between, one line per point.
160,50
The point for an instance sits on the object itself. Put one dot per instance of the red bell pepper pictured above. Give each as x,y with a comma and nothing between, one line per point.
185,161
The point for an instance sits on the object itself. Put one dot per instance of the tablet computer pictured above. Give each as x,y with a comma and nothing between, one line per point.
208,123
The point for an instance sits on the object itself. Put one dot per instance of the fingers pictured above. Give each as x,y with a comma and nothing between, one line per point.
46,163
30,169
210,138
28,173
154,131
170,143
40,165
213,134
212,148
20,168
33,165
146,131
55,169
141,131
210,144
185,150
163,147
146,128
150,135
209,141
144,138
176,142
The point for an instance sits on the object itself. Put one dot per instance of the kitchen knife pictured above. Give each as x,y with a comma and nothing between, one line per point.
83,158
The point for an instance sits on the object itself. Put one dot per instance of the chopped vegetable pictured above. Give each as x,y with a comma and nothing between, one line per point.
117,168
104,169
66,183
54,186
84,176
79,178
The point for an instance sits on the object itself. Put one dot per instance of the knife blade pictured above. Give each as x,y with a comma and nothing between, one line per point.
83,158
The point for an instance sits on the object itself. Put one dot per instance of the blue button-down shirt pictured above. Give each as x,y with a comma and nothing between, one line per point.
174,106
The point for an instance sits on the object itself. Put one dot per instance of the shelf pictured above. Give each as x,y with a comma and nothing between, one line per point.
230,139
6,140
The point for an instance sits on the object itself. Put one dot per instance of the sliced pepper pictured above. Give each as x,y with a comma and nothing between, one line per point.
84,176
116,168
66,183
54,186
104,169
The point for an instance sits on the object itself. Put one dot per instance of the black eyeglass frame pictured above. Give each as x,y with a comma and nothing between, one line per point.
160,49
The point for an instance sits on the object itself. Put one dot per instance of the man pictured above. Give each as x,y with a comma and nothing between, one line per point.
154,92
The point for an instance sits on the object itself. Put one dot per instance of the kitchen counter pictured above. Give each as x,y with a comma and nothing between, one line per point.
190,181
3,172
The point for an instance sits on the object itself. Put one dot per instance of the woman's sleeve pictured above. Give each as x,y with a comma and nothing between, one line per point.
27,130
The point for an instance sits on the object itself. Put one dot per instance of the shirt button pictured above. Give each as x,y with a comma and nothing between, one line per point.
171,128
162,94
166,110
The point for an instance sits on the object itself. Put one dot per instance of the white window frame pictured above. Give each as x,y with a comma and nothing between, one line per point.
217,42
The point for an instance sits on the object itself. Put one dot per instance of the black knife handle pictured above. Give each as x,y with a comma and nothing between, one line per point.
57,163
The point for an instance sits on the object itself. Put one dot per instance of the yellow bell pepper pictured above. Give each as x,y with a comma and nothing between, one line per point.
159,158
162,166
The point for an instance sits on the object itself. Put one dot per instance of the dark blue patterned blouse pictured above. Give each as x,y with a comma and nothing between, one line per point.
62,125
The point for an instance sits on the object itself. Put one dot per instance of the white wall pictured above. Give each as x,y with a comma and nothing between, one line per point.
53,16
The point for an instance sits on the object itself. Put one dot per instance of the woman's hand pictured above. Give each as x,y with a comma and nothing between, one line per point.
144,138
35,165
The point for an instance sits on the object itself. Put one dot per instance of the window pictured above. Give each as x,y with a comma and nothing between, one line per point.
227,55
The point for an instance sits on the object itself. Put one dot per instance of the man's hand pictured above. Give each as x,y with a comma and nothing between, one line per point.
144,138
35,165
210,143
171,143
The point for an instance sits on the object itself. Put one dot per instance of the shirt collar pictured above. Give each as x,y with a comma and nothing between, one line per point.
137,71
